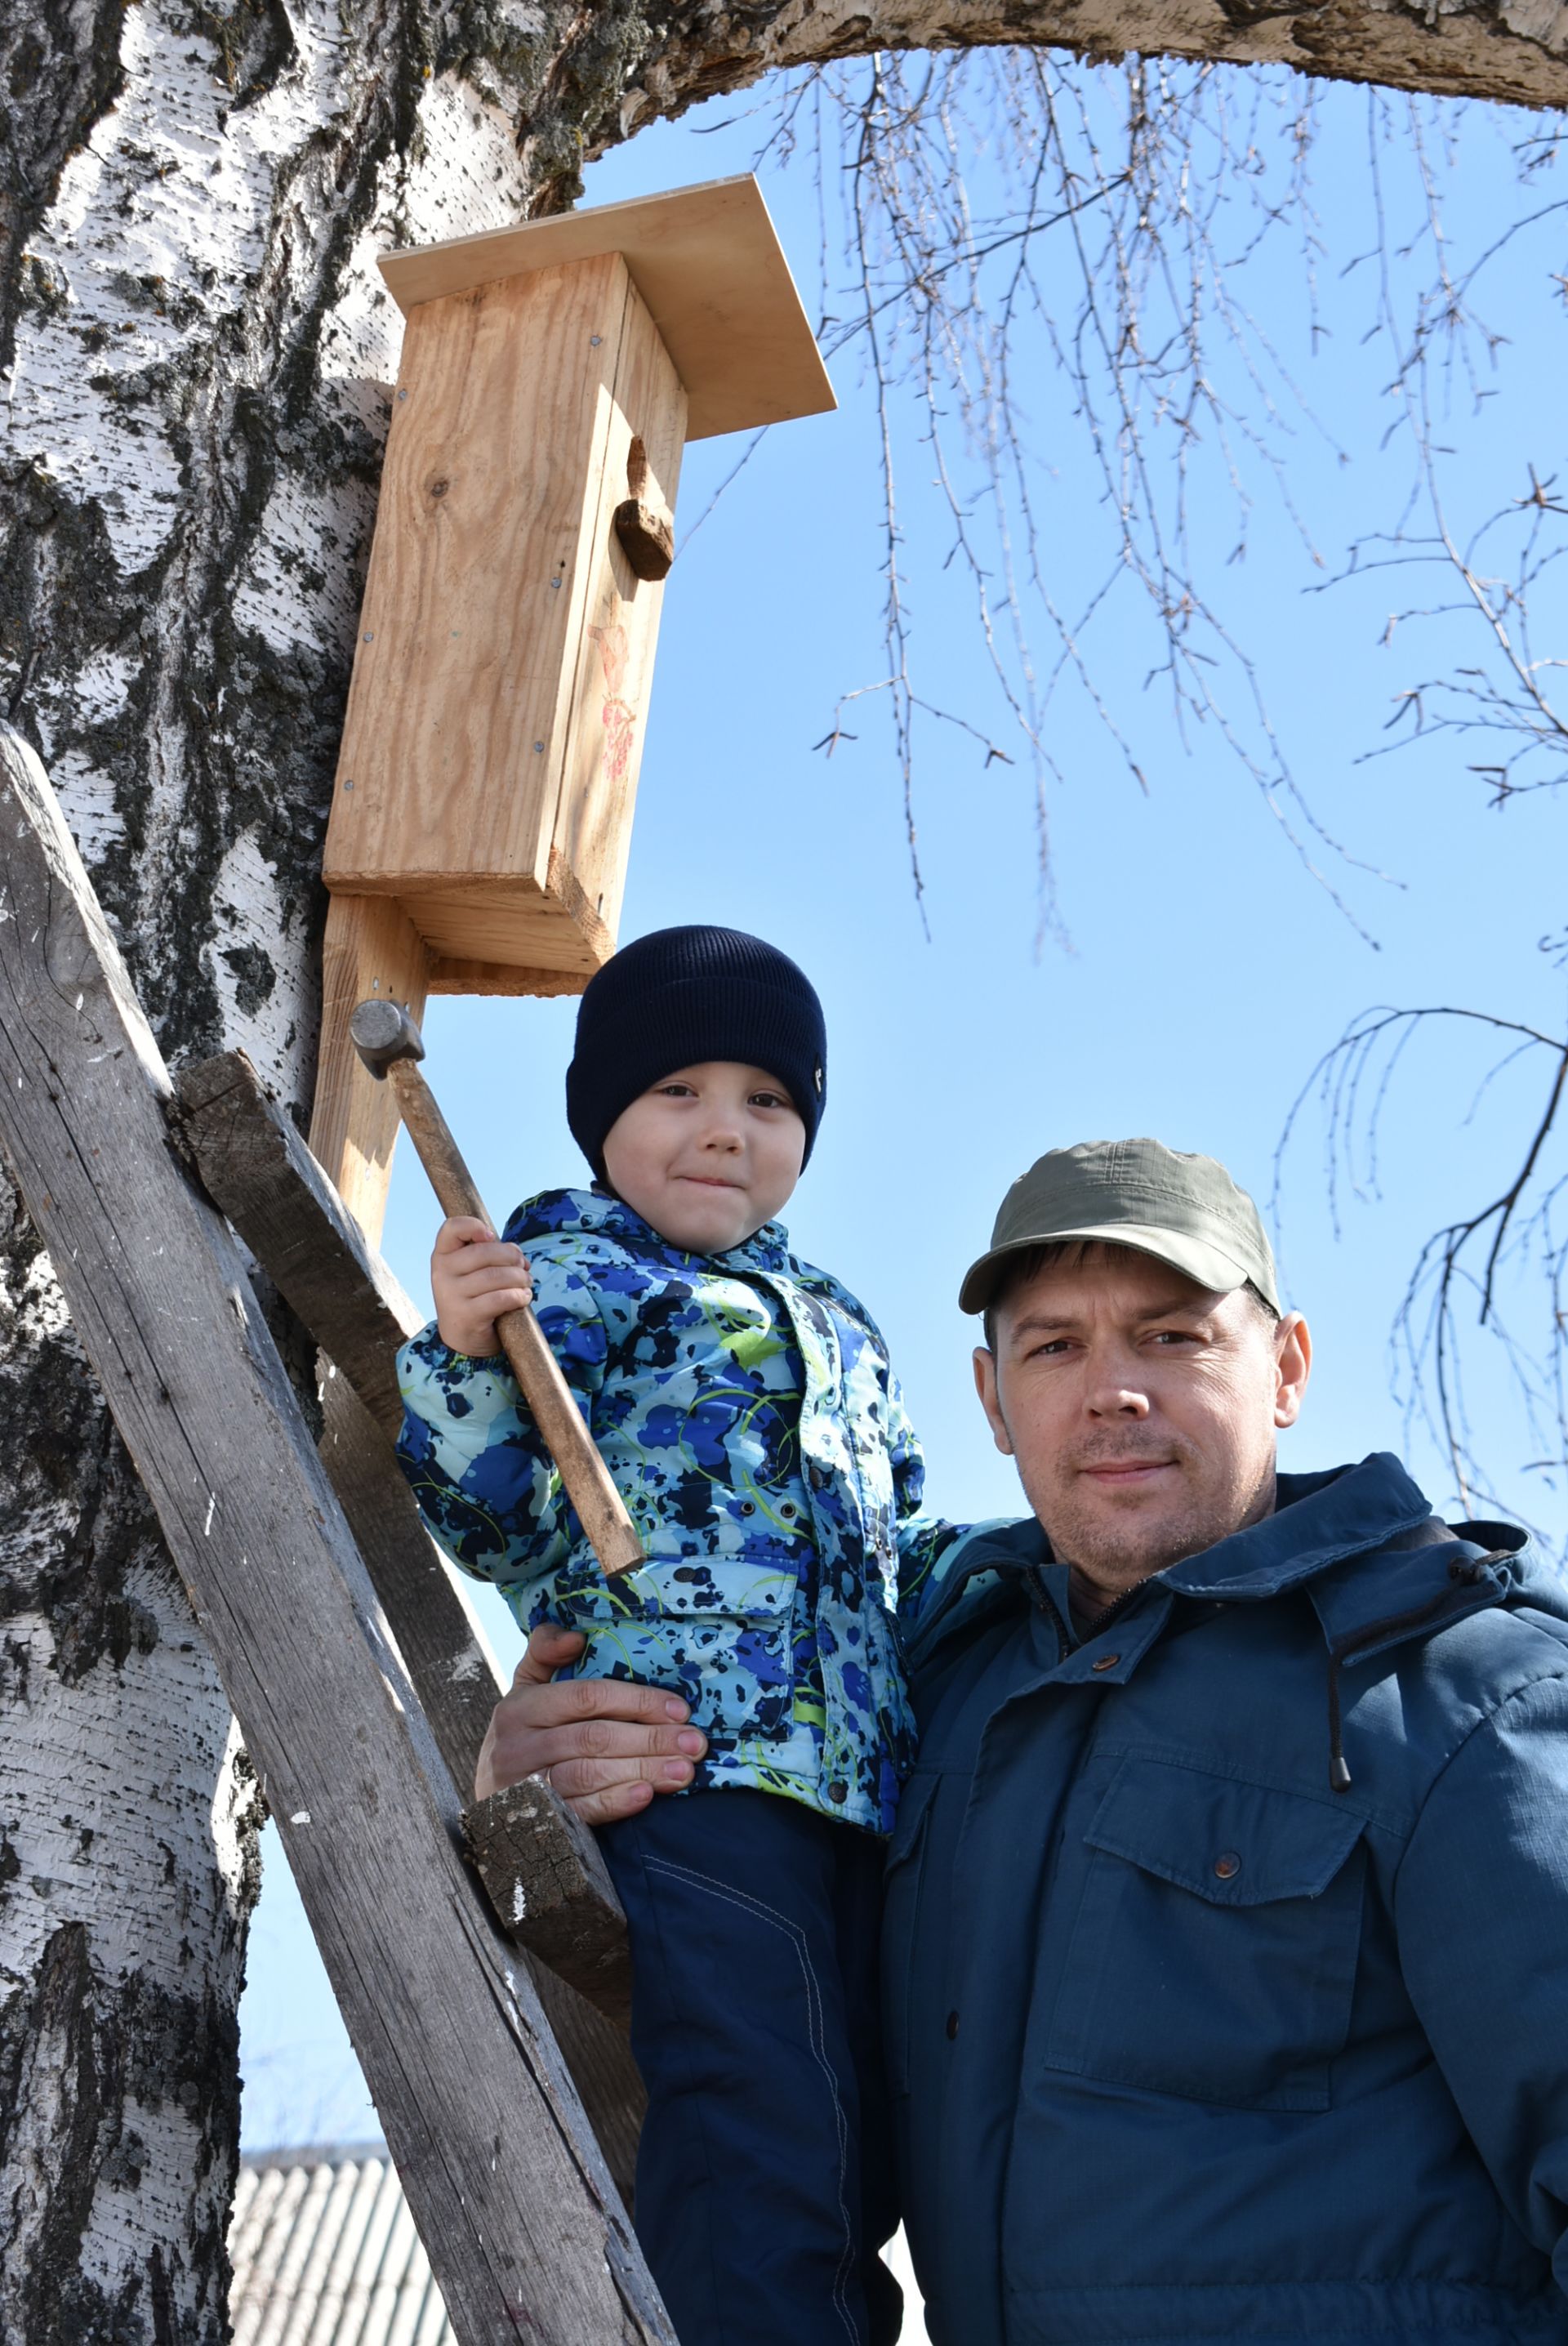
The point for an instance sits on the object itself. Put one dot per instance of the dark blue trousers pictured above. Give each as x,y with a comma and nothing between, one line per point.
765,2177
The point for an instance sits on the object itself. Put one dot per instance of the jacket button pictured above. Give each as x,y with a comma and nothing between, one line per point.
839,1792
1227,1865
951,2026
748,1506
1106,1662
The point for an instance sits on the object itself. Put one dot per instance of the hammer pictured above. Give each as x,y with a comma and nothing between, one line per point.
389,1044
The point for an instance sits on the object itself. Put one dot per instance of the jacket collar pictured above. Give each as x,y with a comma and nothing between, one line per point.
1326,1530
1370,1602
1377,1564
1318,1521
600,1211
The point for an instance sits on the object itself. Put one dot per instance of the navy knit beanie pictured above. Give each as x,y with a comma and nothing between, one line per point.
682,996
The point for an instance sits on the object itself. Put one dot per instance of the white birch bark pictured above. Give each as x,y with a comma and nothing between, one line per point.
193,342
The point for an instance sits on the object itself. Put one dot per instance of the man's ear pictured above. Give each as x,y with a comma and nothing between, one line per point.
1293,1366
989,1401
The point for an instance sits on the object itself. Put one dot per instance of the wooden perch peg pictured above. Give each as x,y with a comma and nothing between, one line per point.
645,530
389,1043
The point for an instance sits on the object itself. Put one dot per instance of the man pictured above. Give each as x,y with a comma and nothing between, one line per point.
1226,1953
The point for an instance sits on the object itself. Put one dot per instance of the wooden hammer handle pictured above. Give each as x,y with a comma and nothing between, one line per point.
601,1510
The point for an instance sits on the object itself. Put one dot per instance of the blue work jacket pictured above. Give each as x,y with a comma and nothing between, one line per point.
1226,1950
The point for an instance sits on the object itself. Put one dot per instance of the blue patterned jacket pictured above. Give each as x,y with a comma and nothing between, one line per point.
746,1408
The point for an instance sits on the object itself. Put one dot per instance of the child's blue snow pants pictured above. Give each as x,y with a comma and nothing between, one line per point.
764,2185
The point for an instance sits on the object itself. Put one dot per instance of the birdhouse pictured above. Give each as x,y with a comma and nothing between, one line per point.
550,377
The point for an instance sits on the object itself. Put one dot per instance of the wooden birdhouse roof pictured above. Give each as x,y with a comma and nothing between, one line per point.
708,264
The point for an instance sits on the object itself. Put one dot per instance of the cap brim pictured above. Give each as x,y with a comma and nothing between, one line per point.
1199,1261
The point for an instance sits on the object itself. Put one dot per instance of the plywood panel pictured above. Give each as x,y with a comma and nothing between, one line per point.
708,264
475,602
503,923
505,978
614,670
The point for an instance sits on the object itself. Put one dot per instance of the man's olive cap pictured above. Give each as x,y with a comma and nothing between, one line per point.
1184,1210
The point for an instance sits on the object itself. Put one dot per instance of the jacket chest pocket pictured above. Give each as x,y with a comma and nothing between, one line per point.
716,1629
1213,1951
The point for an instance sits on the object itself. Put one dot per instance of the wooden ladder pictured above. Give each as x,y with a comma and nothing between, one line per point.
490,2030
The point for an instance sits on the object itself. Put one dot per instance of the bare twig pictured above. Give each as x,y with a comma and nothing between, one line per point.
1102,275
1457,1280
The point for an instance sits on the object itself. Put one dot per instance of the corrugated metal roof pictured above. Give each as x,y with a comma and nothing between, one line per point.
325,2254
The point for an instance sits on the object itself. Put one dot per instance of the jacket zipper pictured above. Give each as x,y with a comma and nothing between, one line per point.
1102,1620
1047,1605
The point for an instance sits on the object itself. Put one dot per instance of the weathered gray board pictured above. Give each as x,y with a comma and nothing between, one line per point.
546,1880
591,2033
254,1165
517,2208
549,1883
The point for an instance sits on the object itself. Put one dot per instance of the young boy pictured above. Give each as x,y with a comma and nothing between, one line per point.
744,1404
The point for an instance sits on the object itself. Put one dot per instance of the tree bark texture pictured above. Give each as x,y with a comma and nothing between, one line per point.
1515,51
195,343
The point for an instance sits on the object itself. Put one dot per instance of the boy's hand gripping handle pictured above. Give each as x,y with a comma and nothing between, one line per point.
389,1043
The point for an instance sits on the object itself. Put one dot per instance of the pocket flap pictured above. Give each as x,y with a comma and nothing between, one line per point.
914,1801
1233,1844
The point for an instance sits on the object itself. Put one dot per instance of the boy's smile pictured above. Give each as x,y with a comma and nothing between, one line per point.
707,1155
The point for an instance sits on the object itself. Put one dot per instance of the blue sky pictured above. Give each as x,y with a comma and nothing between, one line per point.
1202,969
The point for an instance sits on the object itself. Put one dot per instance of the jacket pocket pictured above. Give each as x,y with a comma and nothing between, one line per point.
753,1592
1213,1952
900,1924
716,1629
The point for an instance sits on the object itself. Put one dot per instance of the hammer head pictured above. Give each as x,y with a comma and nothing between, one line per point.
382,1031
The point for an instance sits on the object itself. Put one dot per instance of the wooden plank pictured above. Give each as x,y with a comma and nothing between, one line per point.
548,1884
706,260
442,1643
370,948
512,1840
558,1876
512,2197
600,2059
255,1164
557,1900
478,575
592,833
455,974
499,920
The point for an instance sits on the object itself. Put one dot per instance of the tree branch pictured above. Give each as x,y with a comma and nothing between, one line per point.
1473,51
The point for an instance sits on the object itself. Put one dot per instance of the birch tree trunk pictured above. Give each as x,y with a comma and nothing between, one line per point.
195,340
194,345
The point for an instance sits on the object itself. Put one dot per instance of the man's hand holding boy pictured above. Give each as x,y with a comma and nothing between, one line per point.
475,1277
606,1745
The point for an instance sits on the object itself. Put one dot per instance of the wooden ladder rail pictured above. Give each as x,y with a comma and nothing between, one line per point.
546,1879
512,2197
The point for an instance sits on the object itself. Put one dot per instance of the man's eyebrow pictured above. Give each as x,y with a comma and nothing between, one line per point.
1175,1307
